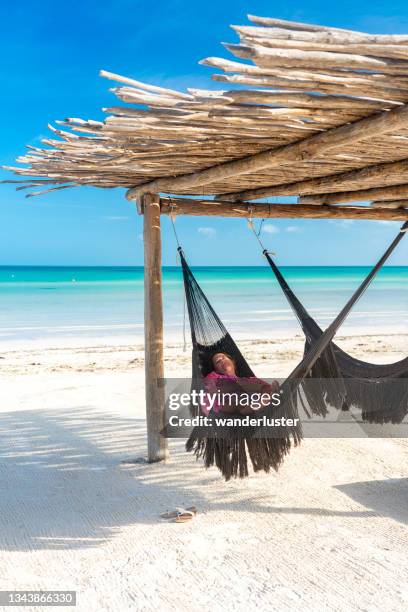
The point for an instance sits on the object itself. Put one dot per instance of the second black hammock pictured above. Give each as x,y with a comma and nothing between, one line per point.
378,390
230,448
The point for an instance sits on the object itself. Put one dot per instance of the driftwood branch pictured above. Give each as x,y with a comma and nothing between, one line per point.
378,173
210,208
394,192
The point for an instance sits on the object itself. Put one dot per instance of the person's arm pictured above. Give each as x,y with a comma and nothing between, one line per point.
254,384
270,388
257,385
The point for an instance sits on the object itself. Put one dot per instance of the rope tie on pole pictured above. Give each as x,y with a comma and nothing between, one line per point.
258,233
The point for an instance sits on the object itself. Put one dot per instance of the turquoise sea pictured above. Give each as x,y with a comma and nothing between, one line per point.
43,303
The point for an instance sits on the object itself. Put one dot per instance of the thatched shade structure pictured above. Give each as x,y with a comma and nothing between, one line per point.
320,113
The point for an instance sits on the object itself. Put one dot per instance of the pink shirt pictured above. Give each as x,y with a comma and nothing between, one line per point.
214,382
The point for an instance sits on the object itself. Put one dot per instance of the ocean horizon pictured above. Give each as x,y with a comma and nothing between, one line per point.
62,302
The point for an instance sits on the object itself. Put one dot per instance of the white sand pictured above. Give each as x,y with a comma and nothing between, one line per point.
326,533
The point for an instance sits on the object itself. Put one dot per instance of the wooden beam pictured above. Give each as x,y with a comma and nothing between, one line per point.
390,204
393,192
304,150
334,182
209,208
153,319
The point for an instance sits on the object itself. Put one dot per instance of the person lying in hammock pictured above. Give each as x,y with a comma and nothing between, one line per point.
225,379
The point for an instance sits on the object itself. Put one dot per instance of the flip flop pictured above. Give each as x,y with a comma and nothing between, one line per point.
180,515
184,517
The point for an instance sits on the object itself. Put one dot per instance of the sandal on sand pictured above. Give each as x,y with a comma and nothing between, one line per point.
180,515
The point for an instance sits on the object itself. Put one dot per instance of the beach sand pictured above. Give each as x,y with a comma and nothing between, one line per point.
328,532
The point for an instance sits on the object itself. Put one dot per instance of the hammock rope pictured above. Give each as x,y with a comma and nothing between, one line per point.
173,224
257,234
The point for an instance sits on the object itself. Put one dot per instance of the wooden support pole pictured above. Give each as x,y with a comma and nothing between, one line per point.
209,208
153,319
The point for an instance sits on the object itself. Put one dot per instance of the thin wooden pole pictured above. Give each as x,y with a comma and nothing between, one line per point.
157,447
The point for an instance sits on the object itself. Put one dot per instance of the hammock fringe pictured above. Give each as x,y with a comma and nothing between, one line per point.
230,447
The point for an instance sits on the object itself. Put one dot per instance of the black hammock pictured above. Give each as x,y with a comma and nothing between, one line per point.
378,390
230,447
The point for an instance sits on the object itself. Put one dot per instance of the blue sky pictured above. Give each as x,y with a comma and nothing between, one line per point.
50,56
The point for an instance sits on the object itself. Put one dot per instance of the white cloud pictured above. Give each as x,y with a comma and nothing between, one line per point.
388,222
342,223
293,229
116,218
207,231
268,228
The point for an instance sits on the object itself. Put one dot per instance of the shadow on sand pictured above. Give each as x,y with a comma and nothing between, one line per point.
385,497
64,486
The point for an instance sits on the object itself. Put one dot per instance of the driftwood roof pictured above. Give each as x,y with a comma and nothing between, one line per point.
319,113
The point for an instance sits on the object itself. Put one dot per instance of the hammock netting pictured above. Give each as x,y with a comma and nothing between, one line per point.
229,448
343,381
372,388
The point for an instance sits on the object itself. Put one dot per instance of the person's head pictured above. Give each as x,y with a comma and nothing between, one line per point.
223,364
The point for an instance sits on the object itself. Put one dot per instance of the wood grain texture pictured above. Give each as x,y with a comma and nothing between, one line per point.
379,174
308,148
153,328
209,208
381,193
